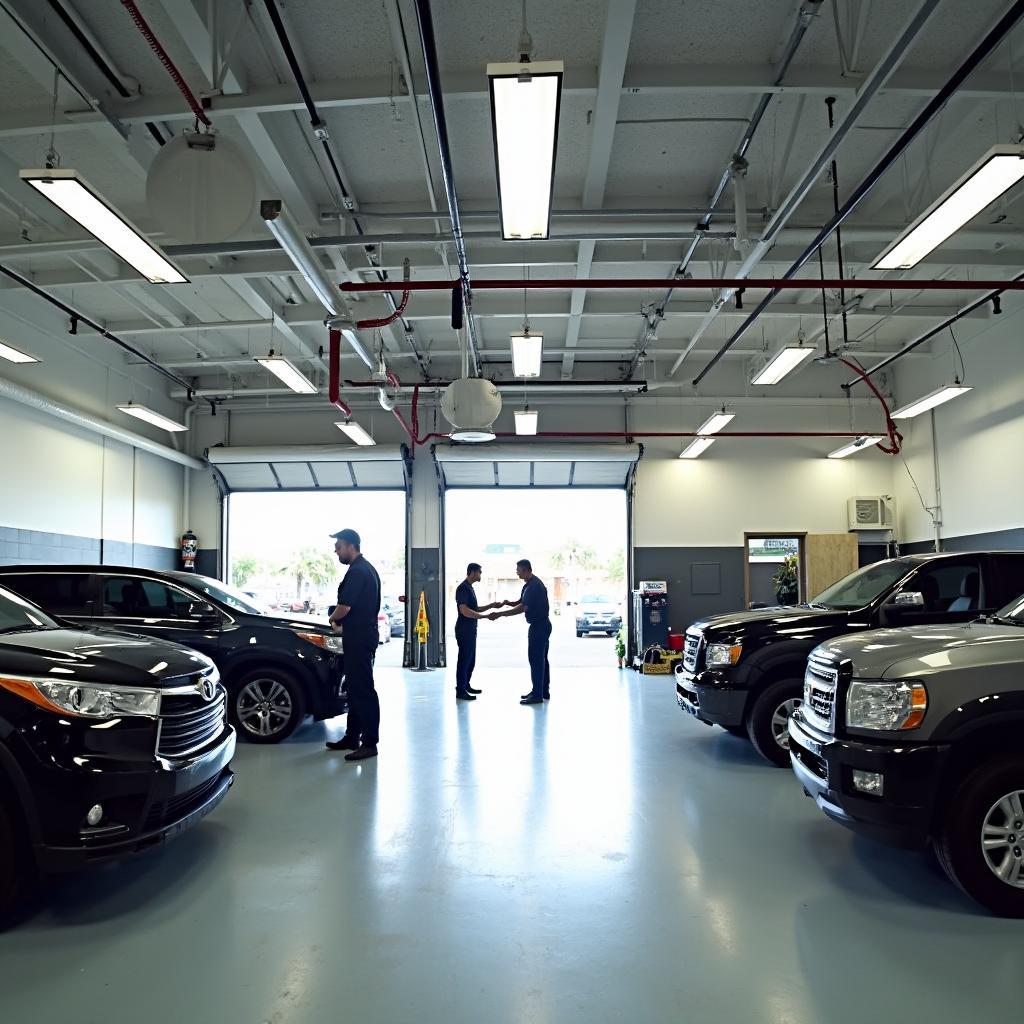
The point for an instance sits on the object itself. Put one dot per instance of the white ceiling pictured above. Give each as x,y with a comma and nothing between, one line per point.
694,72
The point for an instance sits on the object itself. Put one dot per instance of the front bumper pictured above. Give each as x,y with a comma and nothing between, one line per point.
903,816
147,805
717,703
585,626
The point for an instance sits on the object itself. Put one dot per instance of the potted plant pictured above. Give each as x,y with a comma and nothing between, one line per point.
786,580
620,646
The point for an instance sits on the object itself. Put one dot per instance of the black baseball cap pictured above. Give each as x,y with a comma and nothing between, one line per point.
348,536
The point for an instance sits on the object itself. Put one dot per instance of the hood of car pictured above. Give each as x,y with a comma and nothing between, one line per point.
98,656
924,650
764,620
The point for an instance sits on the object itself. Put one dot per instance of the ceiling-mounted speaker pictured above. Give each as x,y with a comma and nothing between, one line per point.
200,188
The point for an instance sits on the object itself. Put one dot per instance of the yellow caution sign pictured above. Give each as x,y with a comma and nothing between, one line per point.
422,625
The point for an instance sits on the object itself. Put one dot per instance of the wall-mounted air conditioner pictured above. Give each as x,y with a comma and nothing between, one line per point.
872,513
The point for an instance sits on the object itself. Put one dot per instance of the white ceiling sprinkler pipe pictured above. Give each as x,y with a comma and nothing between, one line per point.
40,403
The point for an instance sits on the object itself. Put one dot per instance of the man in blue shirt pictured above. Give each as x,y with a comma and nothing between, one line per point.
470,614
533,603
355,617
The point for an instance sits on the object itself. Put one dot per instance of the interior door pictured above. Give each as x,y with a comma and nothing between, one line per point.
829,557
139,604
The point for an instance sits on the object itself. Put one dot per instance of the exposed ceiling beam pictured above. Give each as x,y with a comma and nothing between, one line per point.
618,31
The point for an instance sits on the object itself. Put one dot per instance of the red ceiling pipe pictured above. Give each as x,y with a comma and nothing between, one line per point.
629,283
385,320
334,372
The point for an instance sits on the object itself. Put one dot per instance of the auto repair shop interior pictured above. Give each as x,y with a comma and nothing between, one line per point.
711,310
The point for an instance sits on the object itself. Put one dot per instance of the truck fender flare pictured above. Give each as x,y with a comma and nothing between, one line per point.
14,785
992,711
767,662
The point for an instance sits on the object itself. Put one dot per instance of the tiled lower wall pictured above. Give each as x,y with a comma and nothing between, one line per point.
19,547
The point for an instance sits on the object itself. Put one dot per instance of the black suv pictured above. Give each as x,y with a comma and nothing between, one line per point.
913,736
745,671
109,744
276,670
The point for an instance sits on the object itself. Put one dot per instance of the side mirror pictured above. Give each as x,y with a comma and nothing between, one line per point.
907,600
203,613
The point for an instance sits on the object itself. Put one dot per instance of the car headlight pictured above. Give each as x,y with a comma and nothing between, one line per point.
889,707
723,654
323,640
86,700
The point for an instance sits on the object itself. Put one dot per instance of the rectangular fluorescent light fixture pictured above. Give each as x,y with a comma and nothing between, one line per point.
697,447
69,192
526,354
930,401
992,176
784,362
525,100
526,422
13,355
355,433
286,372
141,412
857,445
716,422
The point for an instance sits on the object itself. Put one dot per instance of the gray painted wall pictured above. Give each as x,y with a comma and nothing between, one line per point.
19,547
997,540
701,581
425,569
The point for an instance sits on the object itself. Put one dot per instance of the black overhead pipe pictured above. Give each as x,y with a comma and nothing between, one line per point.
94,55
992,296
978,55
808,12
425,22
323,136
77,317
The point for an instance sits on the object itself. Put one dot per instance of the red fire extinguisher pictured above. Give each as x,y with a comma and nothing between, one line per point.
189,550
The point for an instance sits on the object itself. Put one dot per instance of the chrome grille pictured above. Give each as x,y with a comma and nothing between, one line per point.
188,722
692,649
820,680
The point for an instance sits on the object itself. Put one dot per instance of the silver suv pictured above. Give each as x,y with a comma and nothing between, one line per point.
916,736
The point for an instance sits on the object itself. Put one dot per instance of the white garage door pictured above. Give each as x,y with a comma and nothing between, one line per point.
311,468
537,465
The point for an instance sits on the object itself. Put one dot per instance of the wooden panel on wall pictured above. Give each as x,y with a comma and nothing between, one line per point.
829,557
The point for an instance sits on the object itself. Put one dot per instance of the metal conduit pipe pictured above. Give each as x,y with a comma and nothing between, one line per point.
898,49
806,15
425,23
977,56
931,333
40,403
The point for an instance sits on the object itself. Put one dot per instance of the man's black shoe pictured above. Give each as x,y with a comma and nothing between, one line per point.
473,689
526,700
345,743
464,695
547,696
365,751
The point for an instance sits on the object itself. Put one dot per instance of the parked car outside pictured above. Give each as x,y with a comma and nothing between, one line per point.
109,744
276,670
916,736
396,613
745,670
598,613
383,627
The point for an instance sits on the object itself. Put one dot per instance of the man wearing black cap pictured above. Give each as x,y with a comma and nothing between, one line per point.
355,616
465,631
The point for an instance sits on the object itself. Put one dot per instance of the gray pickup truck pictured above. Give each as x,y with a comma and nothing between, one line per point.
916,736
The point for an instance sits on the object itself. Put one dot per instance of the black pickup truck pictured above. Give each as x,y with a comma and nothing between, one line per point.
745,671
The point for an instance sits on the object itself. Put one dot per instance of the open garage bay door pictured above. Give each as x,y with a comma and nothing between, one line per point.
537,465
312,468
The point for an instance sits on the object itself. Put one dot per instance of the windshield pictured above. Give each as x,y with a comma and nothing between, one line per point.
224,593
597,599
1014,611
860,588
17,615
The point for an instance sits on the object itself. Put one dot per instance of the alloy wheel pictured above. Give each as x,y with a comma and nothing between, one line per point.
264,706
780,721
1002,839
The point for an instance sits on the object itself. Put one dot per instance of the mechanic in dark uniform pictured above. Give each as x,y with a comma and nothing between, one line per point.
355,616
533,603
470,614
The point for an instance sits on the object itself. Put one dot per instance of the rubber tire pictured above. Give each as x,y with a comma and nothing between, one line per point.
957,846
739,731
298,696
578,634
17,874
759,724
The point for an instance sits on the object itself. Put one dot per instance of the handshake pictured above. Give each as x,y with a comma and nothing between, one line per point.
500,604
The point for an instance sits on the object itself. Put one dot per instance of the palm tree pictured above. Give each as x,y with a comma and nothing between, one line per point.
311,566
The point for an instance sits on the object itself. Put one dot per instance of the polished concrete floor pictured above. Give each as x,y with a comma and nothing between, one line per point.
599,859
